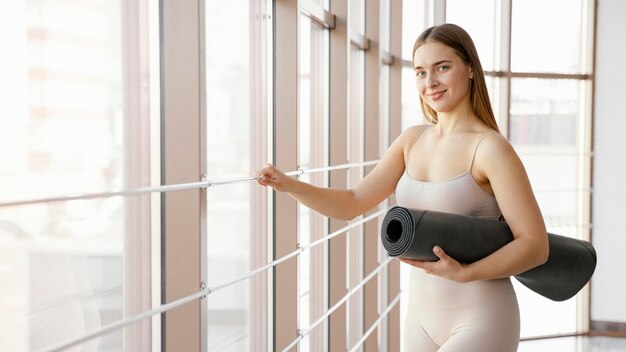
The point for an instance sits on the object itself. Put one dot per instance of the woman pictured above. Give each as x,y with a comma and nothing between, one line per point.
459,163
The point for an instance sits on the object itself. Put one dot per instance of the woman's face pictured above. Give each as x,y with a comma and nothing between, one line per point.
442,77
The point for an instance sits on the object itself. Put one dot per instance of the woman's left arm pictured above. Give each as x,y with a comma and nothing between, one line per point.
497,161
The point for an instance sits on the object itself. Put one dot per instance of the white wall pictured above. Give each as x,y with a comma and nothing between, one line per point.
608,286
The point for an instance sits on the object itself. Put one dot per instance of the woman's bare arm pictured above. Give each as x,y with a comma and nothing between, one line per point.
347,203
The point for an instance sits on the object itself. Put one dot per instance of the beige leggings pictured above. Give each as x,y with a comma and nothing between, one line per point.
446,316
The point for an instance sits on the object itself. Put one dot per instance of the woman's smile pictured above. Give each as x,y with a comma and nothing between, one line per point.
436,95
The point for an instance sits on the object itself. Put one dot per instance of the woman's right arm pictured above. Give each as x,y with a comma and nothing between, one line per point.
347,203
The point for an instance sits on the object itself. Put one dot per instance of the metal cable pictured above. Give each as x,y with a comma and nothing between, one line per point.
303,333
174,187
376,323
208,290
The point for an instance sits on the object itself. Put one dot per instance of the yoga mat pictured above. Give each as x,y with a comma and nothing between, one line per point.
412,233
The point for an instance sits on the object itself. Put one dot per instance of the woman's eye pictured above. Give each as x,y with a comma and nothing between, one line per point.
443,68
420,74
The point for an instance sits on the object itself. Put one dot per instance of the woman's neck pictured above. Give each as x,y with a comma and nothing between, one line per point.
458,120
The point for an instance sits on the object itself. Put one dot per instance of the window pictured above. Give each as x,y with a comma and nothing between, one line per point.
312,153
236,113
73,123
414,22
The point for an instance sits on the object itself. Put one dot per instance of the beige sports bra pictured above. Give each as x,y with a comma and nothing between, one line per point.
458,195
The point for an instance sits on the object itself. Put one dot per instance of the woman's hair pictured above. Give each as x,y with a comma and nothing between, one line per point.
457,38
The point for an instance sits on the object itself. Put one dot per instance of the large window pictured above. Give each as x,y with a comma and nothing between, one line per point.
129,219
72,122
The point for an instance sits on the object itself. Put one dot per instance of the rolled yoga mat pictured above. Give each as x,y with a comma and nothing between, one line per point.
412,233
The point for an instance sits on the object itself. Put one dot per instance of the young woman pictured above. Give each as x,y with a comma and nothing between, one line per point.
458,163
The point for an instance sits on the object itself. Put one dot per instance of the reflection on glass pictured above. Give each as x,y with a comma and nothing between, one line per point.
538,43
478,19
411,112
229,154
544,117
413,23
356,16
65,128
544,112
312,151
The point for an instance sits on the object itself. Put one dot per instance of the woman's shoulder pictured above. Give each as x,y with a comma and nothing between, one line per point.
412,132
493,145
408,136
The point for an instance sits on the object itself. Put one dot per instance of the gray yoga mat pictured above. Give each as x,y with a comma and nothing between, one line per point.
412,233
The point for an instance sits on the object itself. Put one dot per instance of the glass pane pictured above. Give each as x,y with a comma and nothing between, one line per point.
312,153
478,19
544,120
411,112
414,19
356,154
538,43
356,17
545,113
234,72
71,116
492,84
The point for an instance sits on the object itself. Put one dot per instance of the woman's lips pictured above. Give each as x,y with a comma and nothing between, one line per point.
436,95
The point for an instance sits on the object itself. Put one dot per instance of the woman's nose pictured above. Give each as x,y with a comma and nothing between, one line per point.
431,81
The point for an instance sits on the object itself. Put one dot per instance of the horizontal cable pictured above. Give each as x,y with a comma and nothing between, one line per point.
296,252
174,187
303,333
548,153
208,290
543,75
562,190
127,192
58,304
376,323
125,322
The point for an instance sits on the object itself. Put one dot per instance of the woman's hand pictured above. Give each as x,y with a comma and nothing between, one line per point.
271,176
446,267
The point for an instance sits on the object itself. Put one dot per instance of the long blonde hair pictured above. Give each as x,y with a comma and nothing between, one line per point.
457,38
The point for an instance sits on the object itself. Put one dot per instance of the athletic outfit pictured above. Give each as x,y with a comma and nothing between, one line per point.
448,316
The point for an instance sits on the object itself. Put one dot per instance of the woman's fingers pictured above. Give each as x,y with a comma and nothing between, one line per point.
445,267
440,253
270,176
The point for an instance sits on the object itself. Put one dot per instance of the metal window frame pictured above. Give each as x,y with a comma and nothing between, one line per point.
317,13
285,209
182,123
260,121
394,130
371,148
338,110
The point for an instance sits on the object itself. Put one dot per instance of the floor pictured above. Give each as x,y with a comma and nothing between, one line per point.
575,344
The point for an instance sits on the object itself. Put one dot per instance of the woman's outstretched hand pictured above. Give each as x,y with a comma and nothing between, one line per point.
271,176
446,267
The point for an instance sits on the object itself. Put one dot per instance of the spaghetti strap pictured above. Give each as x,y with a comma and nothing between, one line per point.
408,155
476,149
